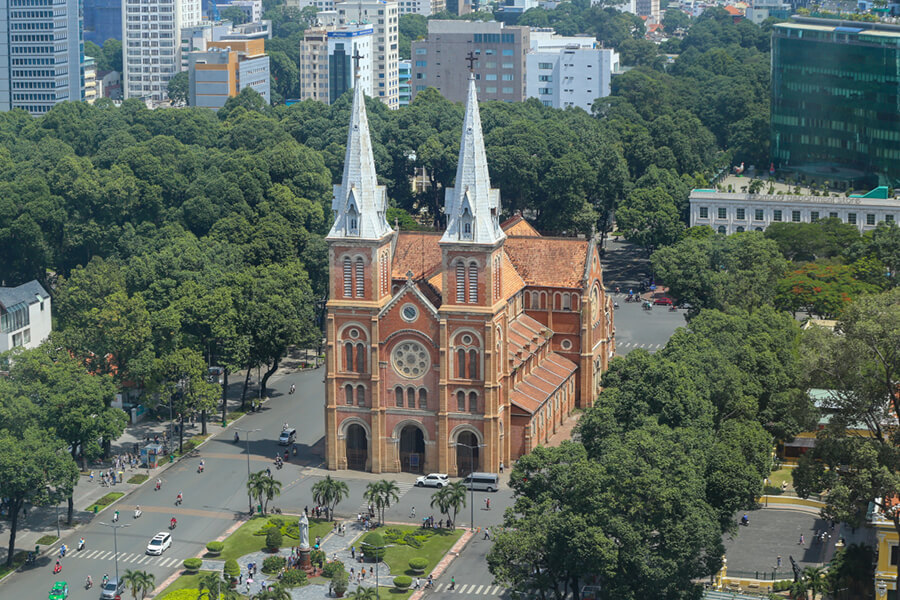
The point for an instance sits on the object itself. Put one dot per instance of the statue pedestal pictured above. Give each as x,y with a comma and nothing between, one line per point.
305,562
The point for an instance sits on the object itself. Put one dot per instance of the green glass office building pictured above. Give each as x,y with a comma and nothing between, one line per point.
836,100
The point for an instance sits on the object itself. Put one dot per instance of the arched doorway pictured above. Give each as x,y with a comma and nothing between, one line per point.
467,453
357,447
412,449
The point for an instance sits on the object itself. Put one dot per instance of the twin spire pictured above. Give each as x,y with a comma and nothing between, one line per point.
472,206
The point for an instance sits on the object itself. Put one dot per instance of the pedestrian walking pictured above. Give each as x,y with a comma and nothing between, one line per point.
802,539
412,513
778,562
487,533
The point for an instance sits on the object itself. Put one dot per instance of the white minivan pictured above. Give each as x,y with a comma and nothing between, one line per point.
487,482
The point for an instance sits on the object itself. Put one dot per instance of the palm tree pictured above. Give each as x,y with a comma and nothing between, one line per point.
139,582
271,488
799,588
382,494
329,492
441,498
816,580
363,593
457,498
256,485
210,585
275,593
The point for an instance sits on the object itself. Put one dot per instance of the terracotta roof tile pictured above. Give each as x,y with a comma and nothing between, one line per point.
510,280
542,383
550,262
517,225
731,10
416,251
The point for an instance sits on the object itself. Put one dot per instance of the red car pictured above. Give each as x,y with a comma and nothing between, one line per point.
663,300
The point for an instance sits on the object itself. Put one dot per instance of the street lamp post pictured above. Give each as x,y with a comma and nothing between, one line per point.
471,487
115,545
247,433
378,550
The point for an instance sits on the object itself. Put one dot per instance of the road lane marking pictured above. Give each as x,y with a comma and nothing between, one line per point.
478,591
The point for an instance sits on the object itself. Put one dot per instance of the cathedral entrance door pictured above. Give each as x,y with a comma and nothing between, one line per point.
467,456
412,450
357,448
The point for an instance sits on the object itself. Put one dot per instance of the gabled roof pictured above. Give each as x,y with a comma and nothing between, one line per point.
409,288
549,262
27,293
517,225
540,385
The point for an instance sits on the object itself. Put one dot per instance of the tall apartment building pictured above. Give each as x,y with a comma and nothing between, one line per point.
835,93
405,73
319,4
384,16
327,66
41,54
564,71
151,44
252,8
196,39
91,89
225,69
649,9
439,61
102,20
426,8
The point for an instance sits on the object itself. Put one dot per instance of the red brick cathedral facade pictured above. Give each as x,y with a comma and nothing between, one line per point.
456,351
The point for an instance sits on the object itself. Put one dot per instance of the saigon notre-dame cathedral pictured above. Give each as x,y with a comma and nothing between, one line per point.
460,350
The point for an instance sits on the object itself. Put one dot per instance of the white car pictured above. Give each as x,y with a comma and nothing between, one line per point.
433,480
159,544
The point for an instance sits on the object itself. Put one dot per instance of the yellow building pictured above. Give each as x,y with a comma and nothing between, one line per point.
888,544
226,68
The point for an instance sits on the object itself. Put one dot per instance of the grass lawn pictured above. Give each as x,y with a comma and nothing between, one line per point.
775,480
244,541
433,549
46,540
18,560
185,582
105,501
137,479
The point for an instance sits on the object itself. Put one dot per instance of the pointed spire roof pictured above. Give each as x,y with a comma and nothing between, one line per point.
472,206
359,203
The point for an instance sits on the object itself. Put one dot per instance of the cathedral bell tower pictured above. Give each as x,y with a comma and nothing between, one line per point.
359,255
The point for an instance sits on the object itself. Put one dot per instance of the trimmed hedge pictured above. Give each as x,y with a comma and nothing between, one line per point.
418,564
182,594
273,564
215,547
402,582
231,569
274,539
332,568
293,578
373,546
192,564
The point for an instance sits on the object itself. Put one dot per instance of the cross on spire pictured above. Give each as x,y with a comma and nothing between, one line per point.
356,58
471,59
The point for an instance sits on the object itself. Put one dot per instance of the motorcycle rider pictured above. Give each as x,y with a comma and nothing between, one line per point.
173,522
89,583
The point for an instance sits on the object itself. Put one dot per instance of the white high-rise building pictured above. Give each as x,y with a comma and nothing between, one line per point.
426,8
40,54
384,16
151,44
327,64
568,71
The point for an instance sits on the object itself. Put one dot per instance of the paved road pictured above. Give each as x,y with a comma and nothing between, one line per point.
647,329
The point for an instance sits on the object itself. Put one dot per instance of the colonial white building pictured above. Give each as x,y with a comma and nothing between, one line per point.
728,212
24,316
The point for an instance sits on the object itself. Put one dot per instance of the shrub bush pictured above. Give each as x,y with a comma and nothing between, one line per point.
370,546
402,582
294,578
317,556
340,582
273,564
192,564
185,594
274,539
418,564
215,547
411,540
781,586
332,568
232,569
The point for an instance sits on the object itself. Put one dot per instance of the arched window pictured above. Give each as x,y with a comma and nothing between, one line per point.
361,362
496,278
385,280
473,283
348,278
410,397
473,402
461,363
360,395
360,280
460,282
348,357
461,401
722,229
567,302
348,393
398,396
557,301
473,364
739,230
423,398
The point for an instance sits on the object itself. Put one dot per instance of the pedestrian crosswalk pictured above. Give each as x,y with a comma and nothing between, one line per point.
128,557
635,345
472,589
